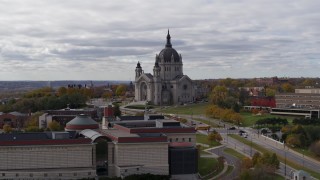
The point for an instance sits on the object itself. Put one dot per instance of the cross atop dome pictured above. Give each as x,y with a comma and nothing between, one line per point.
169,45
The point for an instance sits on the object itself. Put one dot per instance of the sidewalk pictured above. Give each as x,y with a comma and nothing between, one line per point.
225,168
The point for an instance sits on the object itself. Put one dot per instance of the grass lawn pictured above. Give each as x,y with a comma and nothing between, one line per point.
211,123
206,165
203,139
234,153
190,109
277,177
281,158
250,119
138,107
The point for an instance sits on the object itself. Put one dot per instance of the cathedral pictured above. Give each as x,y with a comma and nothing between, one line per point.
167,85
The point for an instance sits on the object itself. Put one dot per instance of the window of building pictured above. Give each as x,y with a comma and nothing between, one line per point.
60,174
45,175
137,169
189,139
74,174
183,139
177,139
89,173
125,170
31,175
3,174
170,139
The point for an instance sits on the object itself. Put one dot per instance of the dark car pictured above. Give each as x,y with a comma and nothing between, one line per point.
241,132
232,128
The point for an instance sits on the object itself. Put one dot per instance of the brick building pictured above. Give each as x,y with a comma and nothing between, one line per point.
14,119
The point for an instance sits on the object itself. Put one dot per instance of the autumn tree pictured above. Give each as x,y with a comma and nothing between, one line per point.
121,90
270,92
54,126
218,95
237,118
287,87
7,128
246,163
308,82
107,95
33,123
214,136
62,91
315,148
293,140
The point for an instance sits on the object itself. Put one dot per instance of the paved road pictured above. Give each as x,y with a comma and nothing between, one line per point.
275,147
267,144
231,160
233,143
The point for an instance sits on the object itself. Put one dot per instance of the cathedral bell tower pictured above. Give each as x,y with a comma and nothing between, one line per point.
138,70
157,82
156,68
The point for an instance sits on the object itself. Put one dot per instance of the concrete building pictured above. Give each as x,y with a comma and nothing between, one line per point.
305,102
63,116
143,145
168,85
51,155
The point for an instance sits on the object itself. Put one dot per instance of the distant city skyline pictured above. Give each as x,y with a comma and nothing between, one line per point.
104,40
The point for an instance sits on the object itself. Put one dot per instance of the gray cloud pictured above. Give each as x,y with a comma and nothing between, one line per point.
47,40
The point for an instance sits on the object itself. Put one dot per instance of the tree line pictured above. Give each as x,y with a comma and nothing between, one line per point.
227,115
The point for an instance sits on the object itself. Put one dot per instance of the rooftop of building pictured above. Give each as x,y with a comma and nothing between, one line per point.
41,138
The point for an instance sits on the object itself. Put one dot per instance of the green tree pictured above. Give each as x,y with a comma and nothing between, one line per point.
256,158
116,110
246,175
274,161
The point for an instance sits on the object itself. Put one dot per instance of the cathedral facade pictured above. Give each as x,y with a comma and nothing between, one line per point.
167,85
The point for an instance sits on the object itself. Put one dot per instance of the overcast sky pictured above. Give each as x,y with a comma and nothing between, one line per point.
104,40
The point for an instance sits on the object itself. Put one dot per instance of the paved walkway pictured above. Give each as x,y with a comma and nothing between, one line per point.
225,168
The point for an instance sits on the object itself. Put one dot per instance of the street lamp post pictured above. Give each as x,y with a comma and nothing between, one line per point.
303,157
227,135
251,146
285,163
